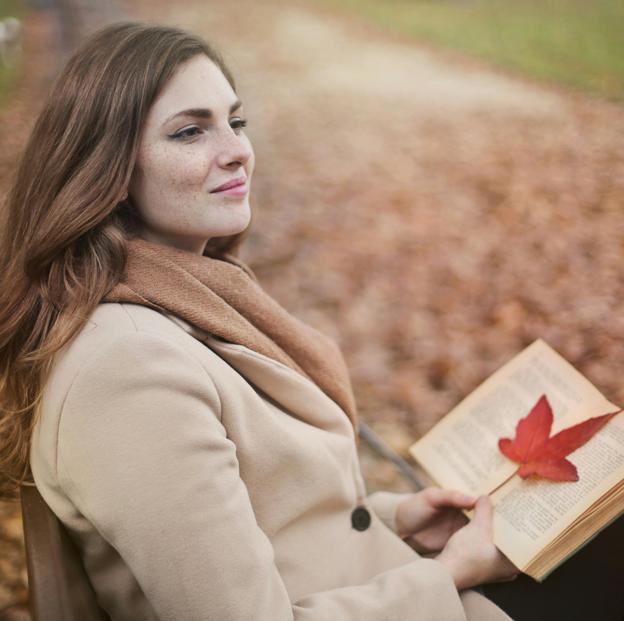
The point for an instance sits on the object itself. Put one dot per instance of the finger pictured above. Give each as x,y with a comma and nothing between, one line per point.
483,513
459,521
440,498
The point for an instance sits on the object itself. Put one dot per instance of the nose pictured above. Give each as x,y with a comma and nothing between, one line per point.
234,150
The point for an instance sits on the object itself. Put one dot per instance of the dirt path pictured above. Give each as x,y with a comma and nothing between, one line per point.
431,215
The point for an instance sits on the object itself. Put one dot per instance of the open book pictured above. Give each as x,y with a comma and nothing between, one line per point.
538,523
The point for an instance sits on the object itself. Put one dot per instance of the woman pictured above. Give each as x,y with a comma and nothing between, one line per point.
197,441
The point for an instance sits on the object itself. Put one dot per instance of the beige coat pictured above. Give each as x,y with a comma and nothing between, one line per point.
204,481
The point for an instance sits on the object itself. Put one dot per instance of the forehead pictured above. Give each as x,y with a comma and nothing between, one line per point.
196,83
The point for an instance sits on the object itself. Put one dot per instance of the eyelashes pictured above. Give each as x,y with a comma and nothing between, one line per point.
190,132
185,133
240,123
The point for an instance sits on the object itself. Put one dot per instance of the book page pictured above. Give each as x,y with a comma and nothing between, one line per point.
529,514
461,451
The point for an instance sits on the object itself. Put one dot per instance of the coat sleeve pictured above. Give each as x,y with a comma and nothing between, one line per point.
385,505
143,455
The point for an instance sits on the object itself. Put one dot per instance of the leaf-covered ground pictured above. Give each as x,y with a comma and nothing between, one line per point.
433,217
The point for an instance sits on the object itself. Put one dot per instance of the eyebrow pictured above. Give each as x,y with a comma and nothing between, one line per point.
202,113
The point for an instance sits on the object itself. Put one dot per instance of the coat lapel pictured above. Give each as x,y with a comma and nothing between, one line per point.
296,394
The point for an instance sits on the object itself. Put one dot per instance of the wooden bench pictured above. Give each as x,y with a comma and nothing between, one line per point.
59,588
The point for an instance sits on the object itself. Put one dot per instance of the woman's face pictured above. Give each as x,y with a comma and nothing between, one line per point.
191,144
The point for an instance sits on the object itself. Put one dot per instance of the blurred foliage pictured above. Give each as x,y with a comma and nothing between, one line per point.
572,42
8,74
11,8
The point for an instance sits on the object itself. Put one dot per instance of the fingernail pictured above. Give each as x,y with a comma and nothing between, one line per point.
466,498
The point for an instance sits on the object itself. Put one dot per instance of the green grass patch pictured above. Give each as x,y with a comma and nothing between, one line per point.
8,74
578,43
11,7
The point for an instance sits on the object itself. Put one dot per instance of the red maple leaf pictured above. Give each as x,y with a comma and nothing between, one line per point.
538,454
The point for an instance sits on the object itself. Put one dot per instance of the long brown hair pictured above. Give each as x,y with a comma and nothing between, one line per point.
66,223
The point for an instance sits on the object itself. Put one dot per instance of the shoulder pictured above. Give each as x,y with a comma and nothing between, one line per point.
126,363
121,341
111,320
116,327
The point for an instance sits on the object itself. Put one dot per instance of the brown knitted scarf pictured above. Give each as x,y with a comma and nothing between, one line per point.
223,298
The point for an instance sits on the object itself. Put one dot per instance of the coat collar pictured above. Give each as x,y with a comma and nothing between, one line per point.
296,394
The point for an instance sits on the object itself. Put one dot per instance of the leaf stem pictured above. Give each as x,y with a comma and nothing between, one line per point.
513,474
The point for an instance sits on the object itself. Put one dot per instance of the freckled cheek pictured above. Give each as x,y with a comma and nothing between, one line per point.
174,170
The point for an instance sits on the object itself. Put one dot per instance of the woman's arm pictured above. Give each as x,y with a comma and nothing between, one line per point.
385,505
144,456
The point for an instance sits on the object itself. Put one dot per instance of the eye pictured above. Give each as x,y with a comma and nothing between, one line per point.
187,132
238,123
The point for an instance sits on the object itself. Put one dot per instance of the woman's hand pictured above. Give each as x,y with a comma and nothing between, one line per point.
428,518
470,554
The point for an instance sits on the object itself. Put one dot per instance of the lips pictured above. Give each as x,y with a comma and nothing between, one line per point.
230,184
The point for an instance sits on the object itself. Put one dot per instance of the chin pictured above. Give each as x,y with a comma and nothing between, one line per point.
238,222
225,220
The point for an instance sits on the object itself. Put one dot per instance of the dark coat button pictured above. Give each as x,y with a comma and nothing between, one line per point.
360,518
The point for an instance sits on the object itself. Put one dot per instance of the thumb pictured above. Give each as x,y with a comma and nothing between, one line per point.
483,512
445,498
